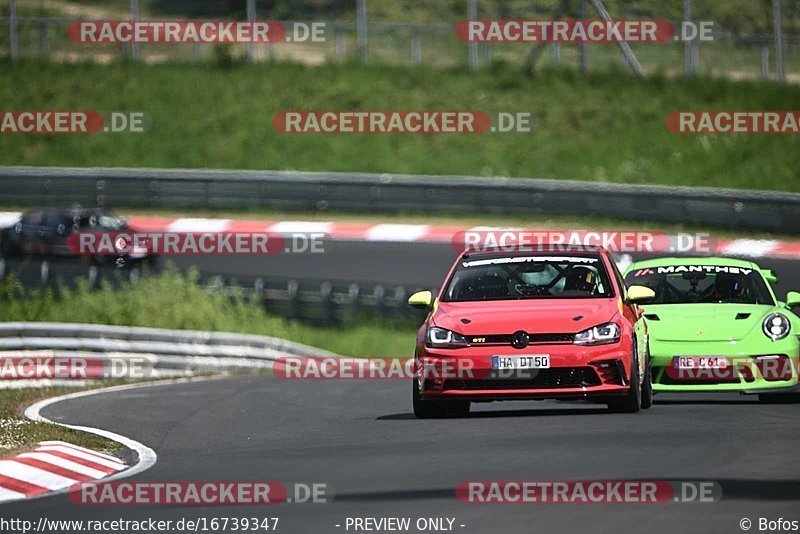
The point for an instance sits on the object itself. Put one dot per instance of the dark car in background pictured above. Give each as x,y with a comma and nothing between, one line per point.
45,232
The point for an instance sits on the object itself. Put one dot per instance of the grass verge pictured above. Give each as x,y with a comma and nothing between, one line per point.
18,433
606,127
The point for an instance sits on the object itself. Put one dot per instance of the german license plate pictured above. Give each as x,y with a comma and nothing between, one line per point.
701,362
528,361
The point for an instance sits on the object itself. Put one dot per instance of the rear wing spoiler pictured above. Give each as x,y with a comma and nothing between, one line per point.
769,275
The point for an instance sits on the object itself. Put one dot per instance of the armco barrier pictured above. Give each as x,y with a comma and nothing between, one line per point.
168,352
320,191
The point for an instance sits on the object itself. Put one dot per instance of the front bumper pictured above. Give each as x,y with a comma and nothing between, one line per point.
575,372
765,368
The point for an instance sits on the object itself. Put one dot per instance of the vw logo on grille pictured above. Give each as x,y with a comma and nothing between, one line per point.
520,340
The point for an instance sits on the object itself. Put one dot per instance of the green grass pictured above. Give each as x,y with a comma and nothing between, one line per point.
170,300
604,127
18,433
176,301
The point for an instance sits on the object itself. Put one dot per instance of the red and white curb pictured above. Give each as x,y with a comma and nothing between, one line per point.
53,466
398,232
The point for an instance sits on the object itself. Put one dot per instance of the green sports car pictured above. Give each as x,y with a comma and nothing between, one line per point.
715,324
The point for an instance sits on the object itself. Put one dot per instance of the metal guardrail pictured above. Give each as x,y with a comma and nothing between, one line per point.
320,302
383,193
157,353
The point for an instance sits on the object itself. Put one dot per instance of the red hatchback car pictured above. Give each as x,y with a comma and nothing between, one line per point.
531,325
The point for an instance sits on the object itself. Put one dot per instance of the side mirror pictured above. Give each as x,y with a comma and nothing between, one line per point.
792,299
769,275
636,293
422,300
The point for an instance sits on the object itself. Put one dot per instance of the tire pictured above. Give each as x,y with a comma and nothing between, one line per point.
436,409
778,398
632,402
647,386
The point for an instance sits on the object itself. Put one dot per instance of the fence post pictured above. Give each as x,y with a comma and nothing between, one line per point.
777,28
134,16
688,45
582,55
12,29
416,46
251,17
765,61
45,42
339,44
472,14
362,29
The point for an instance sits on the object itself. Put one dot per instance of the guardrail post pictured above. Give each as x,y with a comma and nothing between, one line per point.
99,193
328,305
258,290
378,295
293,299
94,277
44,272
353,297
399,300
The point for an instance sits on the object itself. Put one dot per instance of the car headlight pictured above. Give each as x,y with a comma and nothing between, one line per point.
598,335
443,338
776,326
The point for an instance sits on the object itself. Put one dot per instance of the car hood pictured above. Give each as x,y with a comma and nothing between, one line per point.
563,316
704,322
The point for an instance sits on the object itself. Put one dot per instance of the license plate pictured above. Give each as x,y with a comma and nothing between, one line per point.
529,361
701,362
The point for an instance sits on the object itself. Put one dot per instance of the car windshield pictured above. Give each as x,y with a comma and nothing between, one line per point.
528,277
101,221
686,284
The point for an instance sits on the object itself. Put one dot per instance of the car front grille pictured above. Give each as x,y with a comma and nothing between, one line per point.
557,377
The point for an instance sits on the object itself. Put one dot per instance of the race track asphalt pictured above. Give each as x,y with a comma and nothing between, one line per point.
360,437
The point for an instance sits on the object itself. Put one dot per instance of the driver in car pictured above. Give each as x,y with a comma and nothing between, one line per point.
581,279
728,287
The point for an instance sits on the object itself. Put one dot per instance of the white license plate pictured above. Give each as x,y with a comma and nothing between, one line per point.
529,361
701,362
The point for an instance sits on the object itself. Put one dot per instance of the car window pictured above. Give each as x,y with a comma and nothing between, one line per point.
32,217
528,277
702,284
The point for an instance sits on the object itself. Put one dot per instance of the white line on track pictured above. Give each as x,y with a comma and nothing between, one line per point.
146,456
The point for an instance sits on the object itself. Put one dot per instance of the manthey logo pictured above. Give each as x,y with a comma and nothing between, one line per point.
705,269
